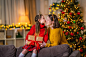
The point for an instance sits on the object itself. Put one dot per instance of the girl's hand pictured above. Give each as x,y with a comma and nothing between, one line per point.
26,42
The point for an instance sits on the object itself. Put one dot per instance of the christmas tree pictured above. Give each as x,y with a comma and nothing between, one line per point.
71,21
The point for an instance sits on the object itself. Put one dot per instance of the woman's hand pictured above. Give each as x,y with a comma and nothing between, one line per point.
43,45
26,42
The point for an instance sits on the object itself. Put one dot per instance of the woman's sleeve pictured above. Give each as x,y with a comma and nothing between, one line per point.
56,42
46,37
63,38
31,32
53,44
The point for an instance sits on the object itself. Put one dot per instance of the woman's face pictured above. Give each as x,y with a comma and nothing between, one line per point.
48,21
42,20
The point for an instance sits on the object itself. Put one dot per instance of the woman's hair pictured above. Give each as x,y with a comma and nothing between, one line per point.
55,19
37,26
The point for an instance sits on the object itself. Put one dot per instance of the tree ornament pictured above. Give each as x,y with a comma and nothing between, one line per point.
78,43
68,22
84,46
69,27
82,21
80,38
85,54
49,8
63,12
82,28
66,33
74,21
62,1
53,4
63,26
65,30
81,50
70,13
78,13
70,30
74,46
76,40
68,38
74,30
65,19
57,8
71,34
77,32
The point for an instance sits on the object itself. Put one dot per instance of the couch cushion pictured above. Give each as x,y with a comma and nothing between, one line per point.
55,51
7,51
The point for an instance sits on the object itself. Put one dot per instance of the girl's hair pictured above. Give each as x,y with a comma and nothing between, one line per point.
55,19
37,26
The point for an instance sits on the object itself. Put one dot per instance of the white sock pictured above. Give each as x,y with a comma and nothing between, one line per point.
33,55
21,55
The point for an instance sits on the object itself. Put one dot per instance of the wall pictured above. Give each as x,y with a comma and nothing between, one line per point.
83,8
37,6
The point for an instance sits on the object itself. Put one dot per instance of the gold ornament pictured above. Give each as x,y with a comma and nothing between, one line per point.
57,8
74,46
84,46
65,30
63,26
57,4
78,46
74,30
81,54
60,24
73,49
84,37
78,4
76,40
82,21
70,29
68,38
78,43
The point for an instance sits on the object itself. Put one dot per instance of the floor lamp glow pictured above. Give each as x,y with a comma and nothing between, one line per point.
23,20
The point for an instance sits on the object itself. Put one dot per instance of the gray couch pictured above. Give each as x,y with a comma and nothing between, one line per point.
56,51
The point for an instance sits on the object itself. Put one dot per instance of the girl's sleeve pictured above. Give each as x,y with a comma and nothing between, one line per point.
46,37
31,32
63,38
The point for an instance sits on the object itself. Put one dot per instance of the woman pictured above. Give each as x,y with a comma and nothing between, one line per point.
56,35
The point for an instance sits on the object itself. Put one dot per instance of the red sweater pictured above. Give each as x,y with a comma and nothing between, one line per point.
41,34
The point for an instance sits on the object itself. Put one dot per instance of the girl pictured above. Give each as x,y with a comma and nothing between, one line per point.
56,35
37,29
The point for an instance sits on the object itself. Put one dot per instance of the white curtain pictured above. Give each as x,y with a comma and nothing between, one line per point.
11,10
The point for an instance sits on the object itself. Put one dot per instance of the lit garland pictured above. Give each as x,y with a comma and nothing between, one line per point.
26,26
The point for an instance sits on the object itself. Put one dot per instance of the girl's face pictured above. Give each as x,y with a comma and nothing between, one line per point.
42,20
48,21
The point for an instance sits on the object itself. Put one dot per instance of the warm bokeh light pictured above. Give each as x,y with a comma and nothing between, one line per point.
23,20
